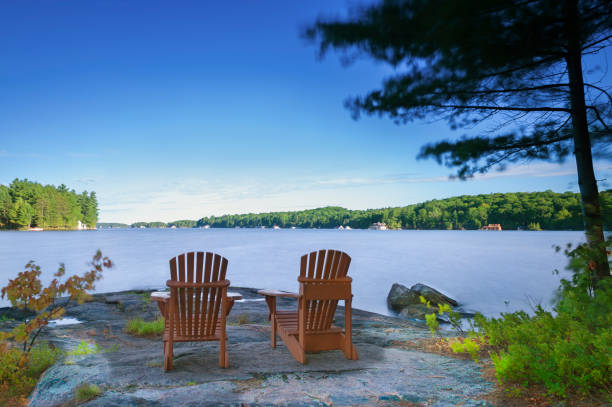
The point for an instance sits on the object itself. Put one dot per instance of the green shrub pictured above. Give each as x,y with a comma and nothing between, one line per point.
40,358
86,392
85,348
468,345
19,371
26,292
568,351
139,327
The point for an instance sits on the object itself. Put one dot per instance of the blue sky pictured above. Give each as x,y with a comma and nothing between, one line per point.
178,110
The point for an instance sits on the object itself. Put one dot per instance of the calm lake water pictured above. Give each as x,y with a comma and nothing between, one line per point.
482,270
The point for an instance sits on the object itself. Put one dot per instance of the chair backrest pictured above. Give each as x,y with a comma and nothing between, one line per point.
197,285
323,281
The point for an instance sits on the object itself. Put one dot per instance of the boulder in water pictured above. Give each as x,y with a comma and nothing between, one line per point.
432,295
407,301
400,297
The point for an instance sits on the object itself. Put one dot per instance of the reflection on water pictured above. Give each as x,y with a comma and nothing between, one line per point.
490,272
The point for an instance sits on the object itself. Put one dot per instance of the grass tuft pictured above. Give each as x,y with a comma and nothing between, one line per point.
86,392
85,348
140,327
241,319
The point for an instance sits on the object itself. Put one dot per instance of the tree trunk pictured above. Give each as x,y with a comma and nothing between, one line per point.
591,212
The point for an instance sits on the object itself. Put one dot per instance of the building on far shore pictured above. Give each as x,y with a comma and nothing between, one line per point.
378,226
492,226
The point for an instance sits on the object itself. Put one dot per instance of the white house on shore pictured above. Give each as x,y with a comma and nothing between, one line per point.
378,226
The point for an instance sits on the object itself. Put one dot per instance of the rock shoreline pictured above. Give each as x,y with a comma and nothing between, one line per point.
129,369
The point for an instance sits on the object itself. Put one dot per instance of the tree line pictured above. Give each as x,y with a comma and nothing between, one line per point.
534,211
25,204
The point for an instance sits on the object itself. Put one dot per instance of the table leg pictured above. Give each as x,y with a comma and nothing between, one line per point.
162,307
230,304
271,306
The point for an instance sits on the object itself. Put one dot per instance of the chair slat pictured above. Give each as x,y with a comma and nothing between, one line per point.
214,292
303,265
182,295
190,293
312,264
320,264
207,274
198,293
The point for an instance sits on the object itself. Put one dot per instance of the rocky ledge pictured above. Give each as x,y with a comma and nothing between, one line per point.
129,370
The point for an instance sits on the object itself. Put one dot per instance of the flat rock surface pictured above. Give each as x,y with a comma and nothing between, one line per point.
129,370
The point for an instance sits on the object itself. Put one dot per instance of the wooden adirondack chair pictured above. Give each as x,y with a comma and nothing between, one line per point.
323,282
198,304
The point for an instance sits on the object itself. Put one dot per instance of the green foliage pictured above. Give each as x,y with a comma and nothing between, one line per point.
468,345
432,323
25,203
534,226
41,357
568,351
85,348
139,327
19,371
183,224
548,210
86,392
552,211
26,292
431,320
508,61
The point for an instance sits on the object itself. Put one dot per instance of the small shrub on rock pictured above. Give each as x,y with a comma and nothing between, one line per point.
86,392
140,327
19,371
26,292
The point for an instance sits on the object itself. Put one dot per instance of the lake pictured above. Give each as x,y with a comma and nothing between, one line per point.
490,272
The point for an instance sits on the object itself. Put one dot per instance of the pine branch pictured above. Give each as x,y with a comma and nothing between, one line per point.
607,37
506,108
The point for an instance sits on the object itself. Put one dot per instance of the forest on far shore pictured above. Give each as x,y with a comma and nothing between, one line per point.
25,204
513,210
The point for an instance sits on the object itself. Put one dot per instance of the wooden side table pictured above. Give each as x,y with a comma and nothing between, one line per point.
271,295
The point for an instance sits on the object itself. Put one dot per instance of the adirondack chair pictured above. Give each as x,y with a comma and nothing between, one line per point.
198,304
323,282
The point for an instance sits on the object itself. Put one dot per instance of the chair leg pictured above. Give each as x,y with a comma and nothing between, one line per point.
273,331
168,354
223,359
349,349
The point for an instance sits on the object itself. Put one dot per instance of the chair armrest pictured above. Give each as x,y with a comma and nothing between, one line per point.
160,295
232,296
